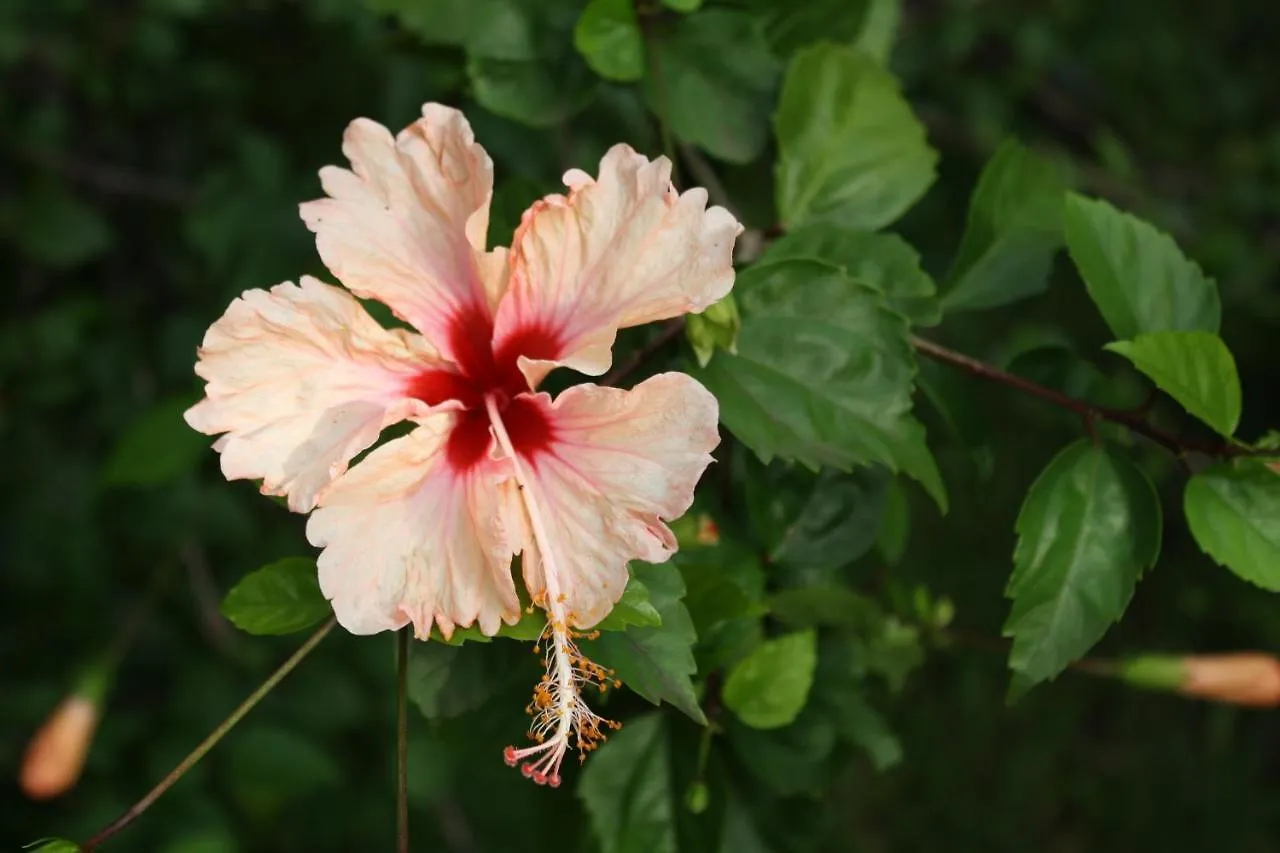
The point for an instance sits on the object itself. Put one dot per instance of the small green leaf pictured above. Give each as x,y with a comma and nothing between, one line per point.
280,598
884,261
880,29
715,328
634,608
1089,528
1136,274
1234,514
714,79
655,661
156,449
608,37
685,6
52,845
823,374
1014,230
825,605
626,789
768,688
1194,368
850,150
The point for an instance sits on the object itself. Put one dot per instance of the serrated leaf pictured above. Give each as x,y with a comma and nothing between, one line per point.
768,688
634,608
1136,274
1089,528
714,79
823,374
850,150
1234,514
655,662
155,449
280,598
1194,368
1013,231
626,789
884,261
608,37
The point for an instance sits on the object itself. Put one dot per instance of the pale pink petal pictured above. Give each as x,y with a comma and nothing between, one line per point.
301,379
624,250
406,225
408,539
619,465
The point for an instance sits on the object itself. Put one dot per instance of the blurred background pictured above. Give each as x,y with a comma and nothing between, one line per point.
152,155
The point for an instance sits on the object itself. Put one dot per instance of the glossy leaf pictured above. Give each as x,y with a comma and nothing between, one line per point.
1234,514
626,789
655,661
714,79
884,261
280,598
608,37
1194,368
1136,274
1089,528
769,688
1013,231
823,374
851,151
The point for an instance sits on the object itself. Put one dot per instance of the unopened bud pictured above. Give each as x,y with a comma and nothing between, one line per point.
716,327
1241,678
56,754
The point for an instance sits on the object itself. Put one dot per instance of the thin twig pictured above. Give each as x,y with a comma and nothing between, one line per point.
209,742
669,332
1133,419
402,741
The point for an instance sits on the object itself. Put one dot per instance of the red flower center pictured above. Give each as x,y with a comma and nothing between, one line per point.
484,368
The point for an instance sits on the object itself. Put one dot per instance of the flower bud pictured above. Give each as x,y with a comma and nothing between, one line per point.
56,754
1240,678
1244,678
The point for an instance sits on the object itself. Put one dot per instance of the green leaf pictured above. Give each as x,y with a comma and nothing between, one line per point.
655,661
280,598
791,760
634,608
608,37
156,449
685,6
880,29
825,605
790,26
448,22
884,261
1089,528
714,79
1194,368
1136,274
823,374
1013,231
863,726
626,789
52,845
838,522
537,93
768,688
1234,514
446,681
895,524
850,150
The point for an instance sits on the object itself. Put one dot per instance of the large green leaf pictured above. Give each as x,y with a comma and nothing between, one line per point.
608,37
1194,368
768,688
1089,528
655,661
850,149
537,93
789,25
1234,514
626,788
884,261
837,523
1136,274
280,598
823,374
714,79
1014,230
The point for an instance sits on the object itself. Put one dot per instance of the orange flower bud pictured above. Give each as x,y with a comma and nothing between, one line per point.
56,754
1243,678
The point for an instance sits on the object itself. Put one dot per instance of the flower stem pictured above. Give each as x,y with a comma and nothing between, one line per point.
402,741
209,742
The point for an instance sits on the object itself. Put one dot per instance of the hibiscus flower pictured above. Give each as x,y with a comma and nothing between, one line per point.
422,531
